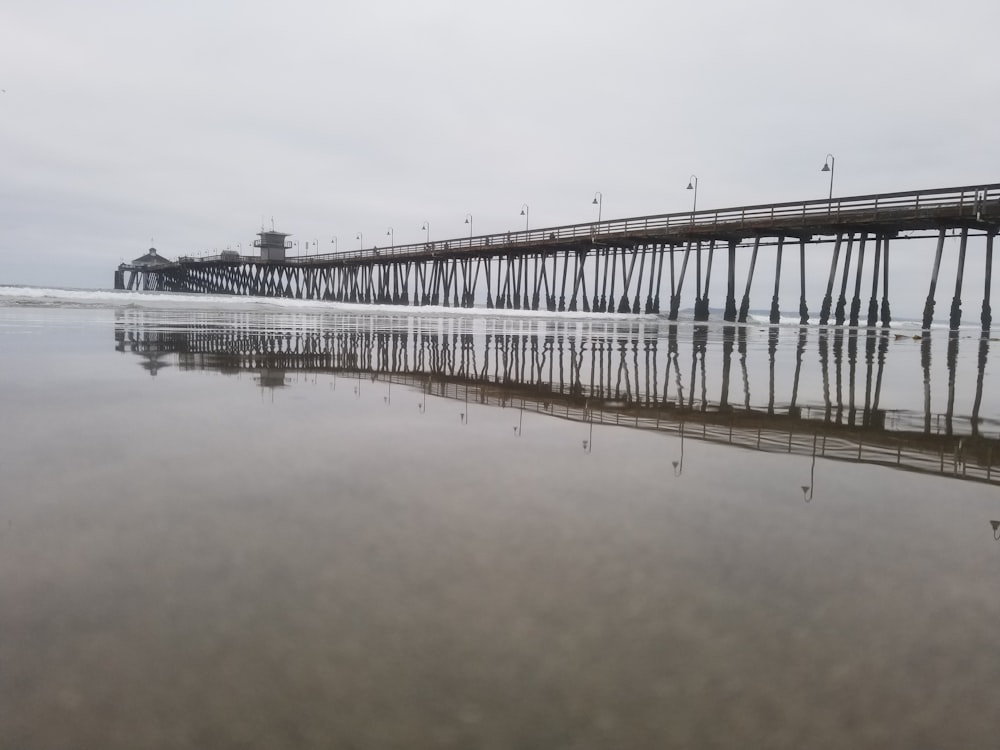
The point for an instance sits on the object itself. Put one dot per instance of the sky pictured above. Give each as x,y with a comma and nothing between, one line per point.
185,125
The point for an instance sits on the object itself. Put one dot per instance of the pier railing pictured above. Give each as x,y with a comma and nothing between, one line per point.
973,203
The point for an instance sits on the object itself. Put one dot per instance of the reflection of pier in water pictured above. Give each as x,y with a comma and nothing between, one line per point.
633,374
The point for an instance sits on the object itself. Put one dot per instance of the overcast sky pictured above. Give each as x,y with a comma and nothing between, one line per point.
186,122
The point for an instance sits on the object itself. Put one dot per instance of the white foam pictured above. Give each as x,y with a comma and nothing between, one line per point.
55,297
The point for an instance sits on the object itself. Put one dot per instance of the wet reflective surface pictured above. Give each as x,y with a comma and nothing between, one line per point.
246,529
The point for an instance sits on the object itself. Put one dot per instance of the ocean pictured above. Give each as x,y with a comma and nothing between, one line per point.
228,522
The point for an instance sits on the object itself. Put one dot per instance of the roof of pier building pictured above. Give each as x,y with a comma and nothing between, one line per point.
151,259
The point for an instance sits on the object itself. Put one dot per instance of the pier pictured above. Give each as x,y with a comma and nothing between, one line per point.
645,264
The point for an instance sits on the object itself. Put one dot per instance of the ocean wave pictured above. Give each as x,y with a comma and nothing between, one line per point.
56,297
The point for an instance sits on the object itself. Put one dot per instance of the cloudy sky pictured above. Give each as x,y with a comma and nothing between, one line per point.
187,123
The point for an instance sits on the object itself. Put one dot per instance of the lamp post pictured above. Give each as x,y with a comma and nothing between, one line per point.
468,220
334,243
599,202
525,212
828,167
693,185
316,245
427,227
361,237
296,244
392,238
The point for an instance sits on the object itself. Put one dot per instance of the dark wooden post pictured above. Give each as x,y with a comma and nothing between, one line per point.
730,313
745,302
986,317
775,314
824,311
955,318
839,316
856,302
873,302
803,307
885,282
929,303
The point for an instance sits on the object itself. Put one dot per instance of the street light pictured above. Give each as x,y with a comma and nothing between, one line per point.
334,243
392,238
693,185
525,212
828,167
316,245
361,237
599,202
427,226
468,220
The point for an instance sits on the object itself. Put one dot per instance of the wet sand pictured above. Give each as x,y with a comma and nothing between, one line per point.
194,559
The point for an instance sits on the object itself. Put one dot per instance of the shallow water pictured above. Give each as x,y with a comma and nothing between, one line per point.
293,528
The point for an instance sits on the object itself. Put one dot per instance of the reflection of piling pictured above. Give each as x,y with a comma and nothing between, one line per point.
728,337
519,362
824,366
952,365
984,351
925,364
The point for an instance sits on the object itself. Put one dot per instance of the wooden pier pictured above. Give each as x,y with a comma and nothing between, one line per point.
627,265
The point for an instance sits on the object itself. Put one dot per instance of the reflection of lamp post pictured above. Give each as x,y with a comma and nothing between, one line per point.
520,421
828,167
599,202
422,406
996,529
525,212
427,226
807,489
588,444
392,238
693,185
468,220
388,395
679,465
361,238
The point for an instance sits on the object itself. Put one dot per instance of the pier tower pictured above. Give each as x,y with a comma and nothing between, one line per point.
272,245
